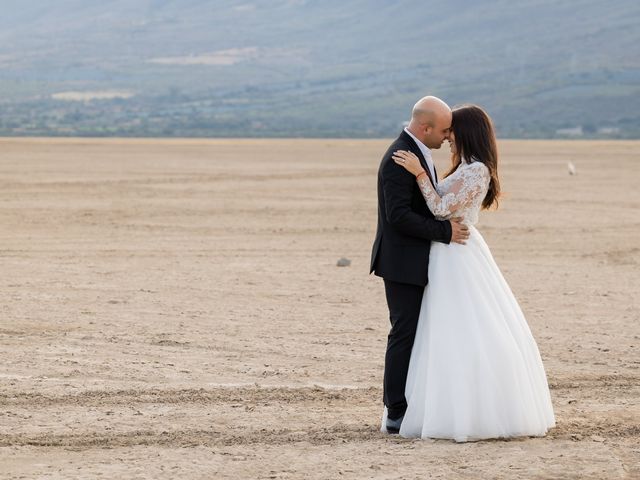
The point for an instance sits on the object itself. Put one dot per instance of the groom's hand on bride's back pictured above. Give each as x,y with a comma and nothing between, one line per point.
459,231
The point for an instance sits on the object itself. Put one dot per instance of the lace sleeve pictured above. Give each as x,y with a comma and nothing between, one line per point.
465,184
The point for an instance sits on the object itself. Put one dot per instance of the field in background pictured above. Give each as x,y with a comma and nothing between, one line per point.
173,309
297,68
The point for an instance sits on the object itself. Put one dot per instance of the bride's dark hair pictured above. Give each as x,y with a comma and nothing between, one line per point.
475,139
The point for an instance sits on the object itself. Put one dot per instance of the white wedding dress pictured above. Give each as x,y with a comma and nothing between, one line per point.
475,369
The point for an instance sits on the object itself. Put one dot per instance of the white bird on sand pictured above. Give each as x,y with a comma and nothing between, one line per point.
572,168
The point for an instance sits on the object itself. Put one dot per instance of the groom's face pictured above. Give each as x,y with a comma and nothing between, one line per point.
436,134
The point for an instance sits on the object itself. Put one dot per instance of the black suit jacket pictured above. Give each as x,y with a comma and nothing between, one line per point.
406,226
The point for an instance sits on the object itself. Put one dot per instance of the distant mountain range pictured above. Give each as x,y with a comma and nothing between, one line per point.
314,68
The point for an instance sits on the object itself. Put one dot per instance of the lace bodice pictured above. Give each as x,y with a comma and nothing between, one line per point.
460,194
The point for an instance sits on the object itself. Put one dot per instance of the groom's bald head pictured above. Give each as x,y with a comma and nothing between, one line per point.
427,109
430,121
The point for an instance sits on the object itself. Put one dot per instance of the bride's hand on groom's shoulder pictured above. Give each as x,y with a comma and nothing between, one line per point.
409,161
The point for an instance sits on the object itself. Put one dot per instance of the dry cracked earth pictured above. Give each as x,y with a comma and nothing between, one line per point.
173,309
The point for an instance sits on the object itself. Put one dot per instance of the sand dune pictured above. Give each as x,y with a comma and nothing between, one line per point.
173,309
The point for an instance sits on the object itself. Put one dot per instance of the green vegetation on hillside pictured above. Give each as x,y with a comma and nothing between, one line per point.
317,68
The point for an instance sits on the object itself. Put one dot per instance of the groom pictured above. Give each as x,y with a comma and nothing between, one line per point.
406,228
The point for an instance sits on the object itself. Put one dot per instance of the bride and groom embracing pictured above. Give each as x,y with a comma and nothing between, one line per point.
461,362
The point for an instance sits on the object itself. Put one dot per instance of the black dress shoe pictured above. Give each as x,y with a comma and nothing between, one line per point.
393,426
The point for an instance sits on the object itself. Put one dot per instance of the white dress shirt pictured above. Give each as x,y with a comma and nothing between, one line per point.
426,153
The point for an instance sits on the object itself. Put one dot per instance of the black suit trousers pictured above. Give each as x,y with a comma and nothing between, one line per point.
404,302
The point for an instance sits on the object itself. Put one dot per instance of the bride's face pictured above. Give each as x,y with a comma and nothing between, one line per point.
452,142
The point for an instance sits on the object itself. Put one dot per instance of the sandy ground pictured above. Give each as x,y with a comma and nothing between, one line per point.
173,309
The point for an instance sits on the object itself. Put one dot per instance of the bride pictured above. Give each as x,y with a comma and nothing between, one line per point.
475,370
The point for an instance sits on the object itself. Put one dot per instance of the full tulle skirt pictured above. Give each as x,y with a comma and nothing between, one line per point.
475,371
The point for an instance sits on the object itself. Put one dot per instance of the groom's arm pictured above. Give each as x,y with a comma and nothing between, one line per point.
398,184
